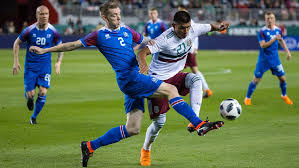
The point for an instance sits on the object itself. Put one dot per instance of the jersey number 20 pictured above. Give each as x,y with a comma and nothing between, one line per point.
40,41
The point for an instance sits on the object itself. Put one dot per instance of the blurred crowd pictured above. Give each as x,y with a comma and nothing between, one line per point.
246,12
264,4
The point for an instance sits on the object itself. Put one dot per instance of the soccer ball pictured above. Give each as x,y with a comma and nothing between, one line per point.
230,109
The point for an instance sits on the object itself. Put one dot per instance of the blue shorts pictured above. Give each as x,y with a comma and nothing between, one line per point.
36,78
136,88
261,68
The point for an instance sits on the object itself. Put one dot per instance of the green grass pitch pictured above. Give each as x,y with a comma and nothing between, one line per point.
84,102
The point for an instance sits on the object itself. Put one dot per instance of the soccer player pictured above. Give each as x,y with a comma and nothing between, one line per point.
114,41
192,63
170,51
37,67
155,26
269,36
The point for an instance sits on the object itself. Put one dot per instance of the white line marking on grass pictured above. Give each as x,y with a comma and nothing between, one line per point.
221,71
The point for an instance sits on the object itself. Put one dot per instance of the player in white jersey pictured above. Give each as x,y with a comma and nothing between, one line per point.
169,52
192,63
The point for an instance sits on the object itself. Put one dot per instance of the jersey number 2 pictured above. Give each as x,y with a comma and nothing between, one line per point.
40,41
121,41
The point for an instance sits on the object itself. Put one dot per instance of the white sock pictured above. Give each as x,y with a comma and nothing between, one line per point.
204,82
153,131
193,82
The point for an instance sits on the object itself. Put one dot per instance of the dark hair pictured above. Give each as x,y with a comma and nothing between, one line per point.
269,13
111,4
181,17
153,9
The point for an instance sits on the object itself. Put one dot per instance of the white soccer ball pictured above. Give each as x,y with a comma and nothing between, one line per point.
230,109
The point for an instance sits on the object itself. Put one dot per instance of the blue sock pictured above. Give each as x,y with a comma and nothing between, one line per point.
112,136
185,110
251,89
39,104
283,88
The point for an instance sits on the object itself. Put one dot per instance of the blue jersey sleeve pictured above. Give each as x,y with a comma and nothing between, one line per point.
24,36
90,40
164,27
261,36
57,38
137,37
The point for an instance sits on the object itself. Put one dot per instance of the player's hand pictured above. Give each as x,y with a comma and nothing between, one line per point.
152,42
36,50
16,68
289,55
224,25
57,68
143,69
278,37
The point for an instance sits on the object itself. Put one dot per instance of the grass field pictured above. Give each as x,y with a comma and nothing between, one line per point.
84,102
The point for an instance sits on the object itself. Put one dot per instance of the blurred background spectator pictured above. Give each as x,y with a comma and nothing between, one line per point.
82,16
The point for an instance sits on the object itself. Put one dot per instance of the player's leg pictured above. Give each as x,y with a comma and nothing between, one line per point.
185,110
194,84
157,109
30,99
283,88
208,91
39,104
134,109
279,72
260,69
30,79
43,81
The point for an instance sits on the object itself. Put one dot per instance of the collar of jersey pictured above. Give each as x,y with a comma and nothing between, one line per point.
41,29
157,21
110,30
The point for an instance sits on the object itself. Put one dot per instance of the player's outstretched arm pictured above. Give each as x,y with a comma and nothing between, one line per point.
60,48
16,48
220,26
59,61
284,46
141,57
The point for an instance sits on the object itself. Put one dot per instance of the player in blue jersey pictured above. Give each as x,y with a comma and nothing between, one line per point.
155,26
114,41
269,37
37,71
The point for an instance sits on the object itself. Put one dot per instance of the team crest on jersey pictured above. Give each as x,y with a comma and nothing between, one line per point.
156,27
126,34
48,35
33,35
107,36
154,80
268,33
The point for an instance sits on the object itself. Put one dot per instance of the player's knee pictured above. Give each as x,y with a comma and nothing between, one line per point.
30,94
256,80
133,130
193,81
160,121
42,92
171,90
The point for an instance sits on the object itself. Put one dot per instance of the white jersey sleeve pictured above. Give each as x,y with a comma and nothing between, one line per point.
158,46
200,29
